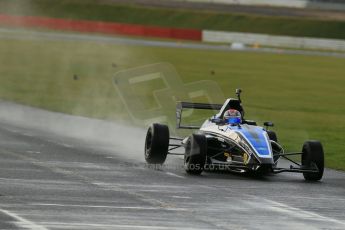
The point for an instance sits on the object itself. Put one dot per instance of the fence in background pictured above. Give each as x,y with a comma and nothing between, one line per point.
315,4
270,40
174,33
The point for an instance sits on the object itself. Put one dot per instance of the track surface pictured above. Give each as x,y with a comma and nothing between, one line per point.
18,34
64,172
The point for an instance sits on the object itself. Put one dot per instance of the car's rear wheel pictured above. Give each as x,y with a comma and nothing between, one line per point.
313,155
156,144
195,154
275,147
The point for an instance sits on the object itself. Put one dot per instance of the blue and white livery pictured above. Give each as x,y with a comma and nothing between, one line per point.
229,141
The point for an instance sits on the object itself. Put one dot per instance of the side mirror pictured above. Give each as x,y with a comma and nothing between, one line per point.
268,124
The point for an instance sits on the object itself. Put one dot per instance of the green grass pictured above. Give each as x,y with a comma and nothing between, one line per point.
80,9
303,95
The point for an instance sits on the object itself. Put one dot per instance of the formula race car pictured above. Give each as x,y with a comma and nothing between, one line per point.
228,141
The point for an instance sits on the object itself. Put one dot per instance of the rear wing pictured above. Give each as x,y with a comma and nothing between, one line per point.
189,105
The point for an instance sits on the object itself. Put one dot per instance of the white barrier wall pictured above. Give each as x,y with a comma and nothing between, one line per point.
270,40
289,3
317,4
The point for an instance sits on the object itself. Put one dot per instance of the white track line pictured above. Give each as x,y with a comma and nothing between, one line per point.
174,175
182,197
114,226
109,207
23,223
30,151
299,213
28,134
67,145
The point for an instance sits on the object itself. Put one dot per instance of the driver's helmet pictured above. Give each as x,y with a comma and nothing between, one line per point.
233,117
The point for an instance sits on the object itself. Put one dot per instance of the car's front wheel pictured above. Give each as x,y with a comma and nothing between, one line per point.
313,158
195,154
157,144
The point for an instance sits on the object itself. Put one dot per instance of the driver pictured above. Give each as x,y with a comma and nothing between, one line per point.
233,117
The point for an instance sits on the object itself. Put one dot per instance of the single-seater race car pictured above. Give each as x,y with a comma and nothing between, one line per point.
229,141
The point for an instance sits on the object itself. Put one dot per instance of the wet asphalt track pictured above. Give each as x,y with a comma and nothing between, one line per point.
61,177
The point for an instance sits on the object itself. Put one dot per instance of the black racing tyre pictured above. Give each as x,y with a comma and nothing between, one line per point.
272,135
312,154
157,144
195,154
277,149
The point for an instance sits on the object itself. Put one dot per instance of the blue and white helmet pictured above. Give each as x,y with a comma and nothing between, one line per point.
233,117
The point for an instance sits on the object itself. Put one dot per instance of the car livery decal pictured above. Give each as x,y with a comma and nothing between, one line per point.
256,137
